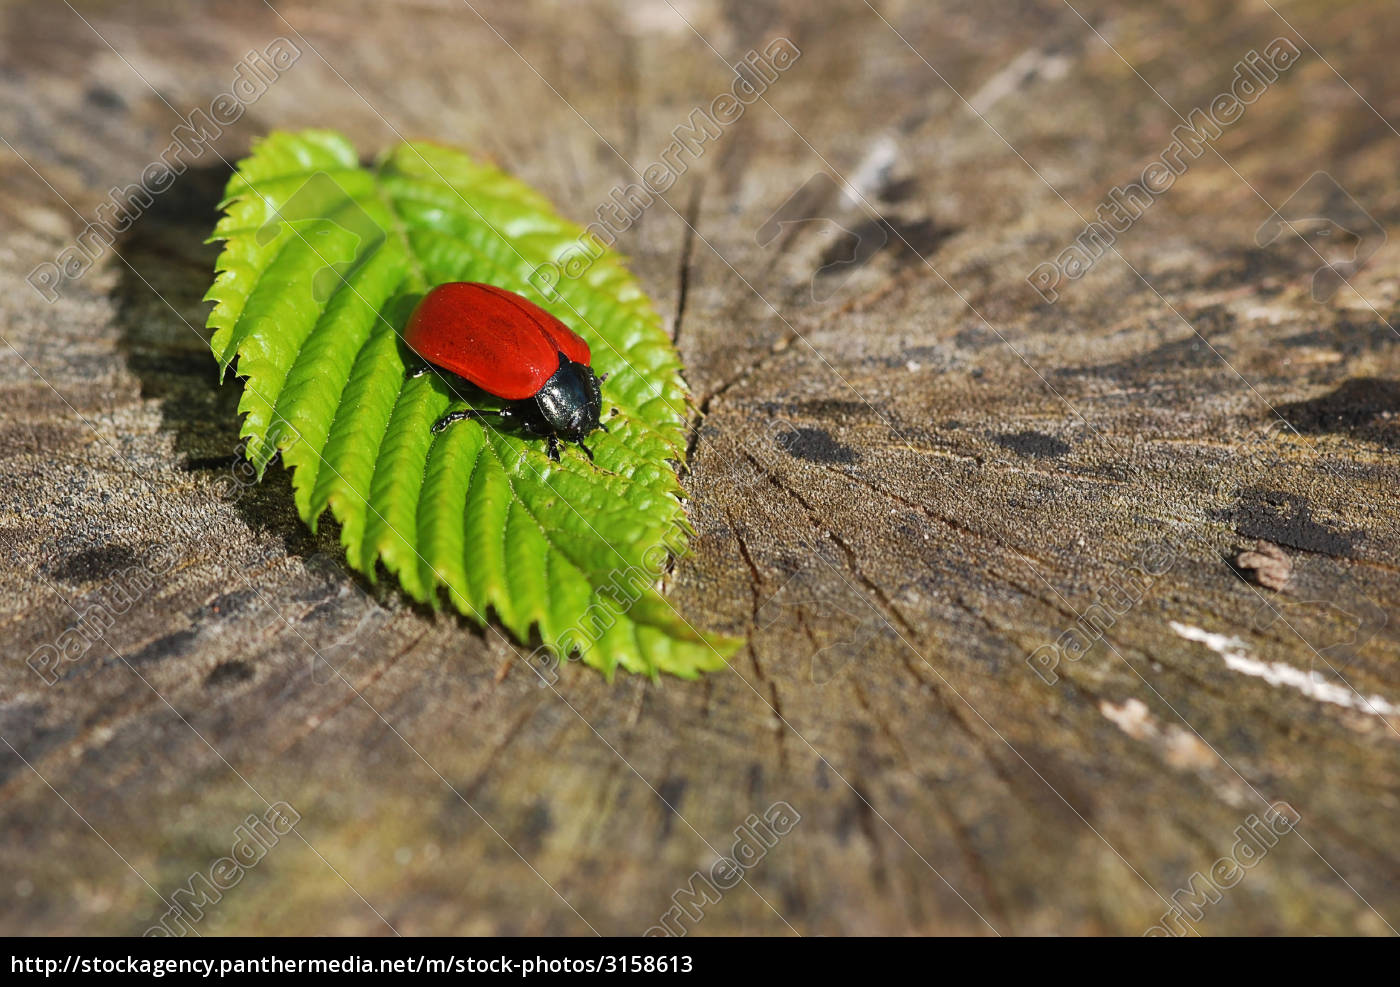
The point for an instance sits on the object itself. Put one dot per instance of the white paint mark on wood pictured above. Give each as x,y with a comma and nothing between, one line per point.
1277,673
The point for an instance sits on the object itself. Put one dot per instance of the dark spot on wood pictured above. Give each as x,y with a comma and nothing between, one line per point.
827,408
1365,408
921,236
906,241
975,339
1253,266
538,824
815,445
105,99
1036,444
94,564
856,817
755,779
162,648
671,791
1191,352
1346,337
899,190
1286,519
229,672
933,355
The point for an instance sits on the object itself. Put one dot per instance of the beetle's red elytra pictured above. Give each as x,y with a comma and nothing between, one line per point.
508,346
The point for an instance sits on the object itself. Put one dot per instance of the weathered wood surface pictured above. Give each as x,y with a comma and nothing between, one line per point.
961,471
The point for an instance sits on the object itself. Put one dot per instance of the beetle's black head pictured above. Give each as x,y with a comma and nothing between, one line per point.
571,401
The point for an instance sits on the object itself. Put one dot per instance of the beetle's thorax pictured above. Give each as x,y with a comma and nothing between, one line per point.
571,400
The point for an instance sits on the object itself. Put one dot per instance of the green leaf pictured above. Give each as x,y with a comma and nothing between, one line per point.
323,261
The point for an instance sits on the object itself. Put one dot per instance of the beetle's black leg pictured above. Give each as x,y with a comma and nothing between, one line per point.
414,371
508,417
453,417
554,447
586,451
450,419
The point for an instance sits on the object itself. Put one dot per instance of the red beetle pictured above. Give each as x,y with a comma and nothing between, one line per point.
510,347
